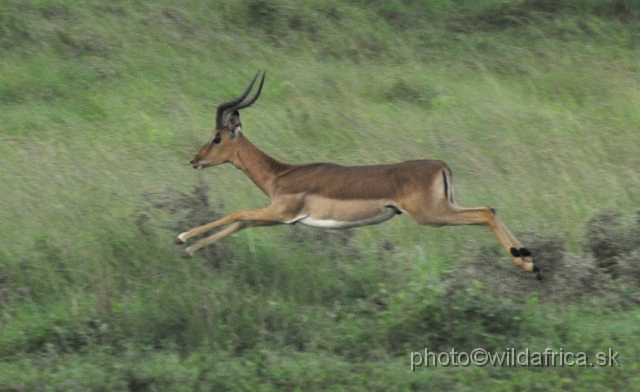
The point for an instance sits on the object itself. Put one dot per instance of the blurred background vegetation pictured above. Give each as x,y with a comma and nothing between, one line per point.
533,104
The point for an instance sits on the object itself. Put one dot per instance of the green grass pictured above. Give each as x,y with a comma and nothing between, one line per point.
533,104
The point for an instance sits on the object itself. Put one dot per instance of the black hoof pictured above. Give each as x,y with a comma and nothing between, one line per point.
524,252
185,255
535,269
178,241
539,275
515,252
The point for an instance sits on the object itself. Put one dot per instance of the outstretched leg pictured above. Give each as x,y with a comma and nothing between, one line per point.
240,220
264,214
188,252
517,249
449,214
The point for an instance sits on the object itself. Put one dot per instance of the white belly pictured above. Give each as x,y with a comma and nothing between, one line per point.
385,215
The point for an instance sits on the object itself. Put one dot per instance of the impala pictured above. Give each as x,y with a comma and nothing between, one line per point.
331,196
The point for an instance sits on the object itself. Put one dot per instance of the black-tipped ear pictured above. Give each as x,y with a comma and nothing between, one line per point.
234,123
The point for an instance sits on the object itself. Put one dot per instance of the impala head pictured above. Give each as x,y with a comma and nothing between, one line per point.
228,129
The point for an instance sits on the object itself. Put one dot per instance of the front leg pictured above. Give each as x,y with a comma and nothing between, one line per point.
267,215
182,238
188,252
263,214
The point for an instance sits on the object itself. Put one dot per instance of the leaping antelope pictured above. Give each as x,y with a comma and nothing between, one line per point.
336,197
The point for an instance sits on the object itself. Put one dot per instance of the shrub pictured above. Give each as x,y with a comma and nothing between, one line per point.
187,211
611,241
566,277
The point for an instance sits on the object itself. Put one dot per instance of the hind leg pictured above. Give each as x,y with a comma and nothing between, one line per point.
523,252
449,214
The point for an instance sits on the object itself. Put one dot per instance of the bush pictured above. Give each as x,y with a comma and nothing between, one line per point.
612,241
566,277
452,314
187,211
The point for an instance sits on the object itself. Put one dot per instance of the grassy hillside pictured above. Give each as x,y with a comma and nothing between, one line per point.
532,103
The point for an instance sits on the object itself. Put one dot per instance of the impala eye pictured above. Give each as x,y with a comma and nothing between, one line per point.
216,139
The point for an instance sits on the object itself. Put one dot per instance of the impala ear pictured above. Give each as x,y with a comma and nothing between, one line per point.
235,125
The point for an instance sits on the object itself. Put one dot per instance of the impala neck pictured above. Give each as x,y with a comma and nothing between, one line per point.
261,168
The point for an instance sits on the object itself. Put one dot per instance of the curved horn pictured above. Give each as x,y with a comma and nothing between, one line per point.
223,107
252,100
